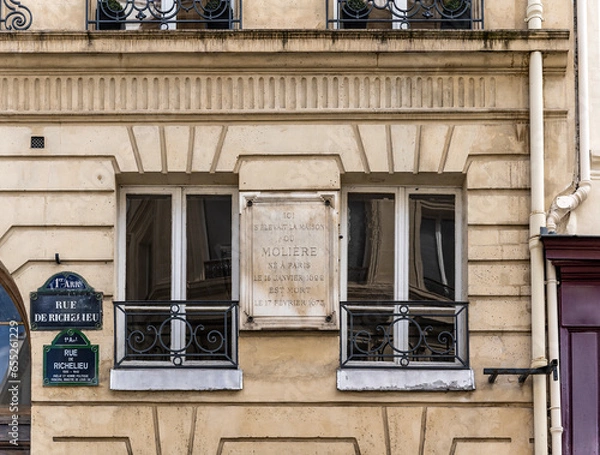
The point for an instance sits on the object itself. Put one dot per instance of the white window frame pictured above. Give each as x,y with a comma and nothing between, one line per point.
144,375
421,375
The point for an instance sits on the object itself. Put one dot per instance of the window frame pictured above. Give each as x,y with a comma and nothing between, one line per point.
402,234
160,374
178,234
377,375
22,362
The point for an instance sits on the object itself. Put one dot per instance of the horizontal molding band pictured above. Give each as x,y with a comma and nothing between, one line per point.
245,93
289,41
320,116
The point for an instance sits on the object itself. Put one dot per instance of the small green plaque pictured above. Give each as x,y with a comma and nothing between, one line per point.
71,360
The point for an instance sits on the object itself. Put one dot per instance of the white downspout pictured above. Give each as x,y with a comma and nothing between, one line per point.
556,429
537,220
560,208
562,205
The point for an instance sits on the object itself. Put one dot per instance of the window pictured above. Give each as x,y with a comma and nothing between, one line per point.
178,276
406,14
15,367
401,290
163,14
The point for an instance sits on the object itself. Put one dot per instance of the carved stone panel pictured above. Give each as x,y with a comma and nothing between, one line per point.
289,261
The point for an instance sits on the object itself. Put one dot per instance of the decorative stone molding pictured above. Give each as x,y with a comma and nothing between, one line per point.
227,93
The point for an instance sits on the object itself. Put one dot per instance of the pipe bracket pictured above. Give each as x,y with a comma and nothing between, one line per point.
523,373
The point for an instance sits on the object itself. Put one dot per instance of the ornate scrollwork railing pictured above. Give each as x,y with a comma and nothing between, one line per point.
190,334
163,14
421,334
14,15
405,14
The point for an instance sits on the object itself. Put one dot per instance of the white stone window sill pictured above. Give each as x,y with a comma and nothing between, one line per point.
379,379
175,379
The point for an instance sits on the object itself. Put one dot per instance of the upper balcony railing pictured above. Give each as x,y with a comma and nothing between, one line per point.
14,15
406,14
163,14
227,14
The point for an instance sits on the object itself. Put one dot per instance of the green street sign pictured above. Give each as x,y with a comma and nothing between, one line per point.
71,360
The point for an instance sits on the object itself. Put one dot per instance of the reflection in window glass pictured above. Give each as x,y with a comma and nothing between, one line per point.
412,324
209,341
8,311
432,247
149,333
432,337
15,371
148,274
371,246
372,335
208,235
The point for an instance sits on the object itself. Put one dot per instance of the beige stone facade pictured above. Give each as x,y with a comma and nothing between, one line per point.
293,110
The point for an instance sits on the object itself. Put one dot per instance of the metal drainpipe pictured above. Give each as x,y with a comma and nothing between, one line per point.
560,208
565,204
537,220
556,428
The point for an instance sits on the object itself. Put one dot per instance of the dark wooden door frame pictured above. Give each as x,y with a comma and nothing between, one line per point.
577,260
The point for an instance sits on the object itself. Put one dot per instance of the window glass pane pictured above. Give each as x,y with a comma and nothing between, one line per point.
405,333
15,365
371,334
208,247
371,246
148,274
208,334
148,333
432,247
431,334
8,311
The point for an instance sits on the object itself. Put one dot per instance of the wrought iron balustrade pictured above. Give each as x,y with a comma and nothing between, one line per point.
406,14
14,15
415,334
163,14
185,334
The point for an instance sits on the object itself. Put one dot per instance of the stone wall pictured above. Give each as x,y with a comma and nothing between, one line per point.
392,115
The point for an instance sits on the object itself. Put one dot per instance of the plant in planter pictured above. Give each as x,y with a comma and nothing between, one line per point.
354,14
109,15
457,14
218,12
452,5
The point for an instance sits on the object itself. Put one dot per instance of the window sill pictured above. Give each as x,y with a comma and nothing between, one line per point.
175,379
379,379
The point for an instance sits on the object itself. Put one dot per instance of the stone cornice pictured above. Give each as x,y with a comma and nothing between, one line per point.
282,41
264,73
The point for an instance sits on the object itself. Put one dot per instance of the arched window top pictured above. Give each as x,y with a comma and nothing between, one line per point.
15,367
8,309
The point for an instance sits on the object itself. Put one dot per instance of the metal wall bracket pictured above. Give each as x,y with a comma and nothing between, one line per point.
523,373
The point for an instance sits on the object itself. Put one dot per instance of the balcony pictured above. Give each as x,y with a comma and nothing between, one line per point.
176,334
18,15
163,14
14,15
402,334
406,14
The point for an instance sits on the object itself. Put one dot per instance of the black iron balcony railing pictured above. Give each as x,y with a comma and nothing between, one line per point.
415,334
405,14
14,15
163,14
184,334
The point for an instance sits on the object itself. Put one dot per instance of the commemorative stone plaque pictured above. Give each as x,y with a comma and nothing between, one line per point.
65,300
290,266
70,360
